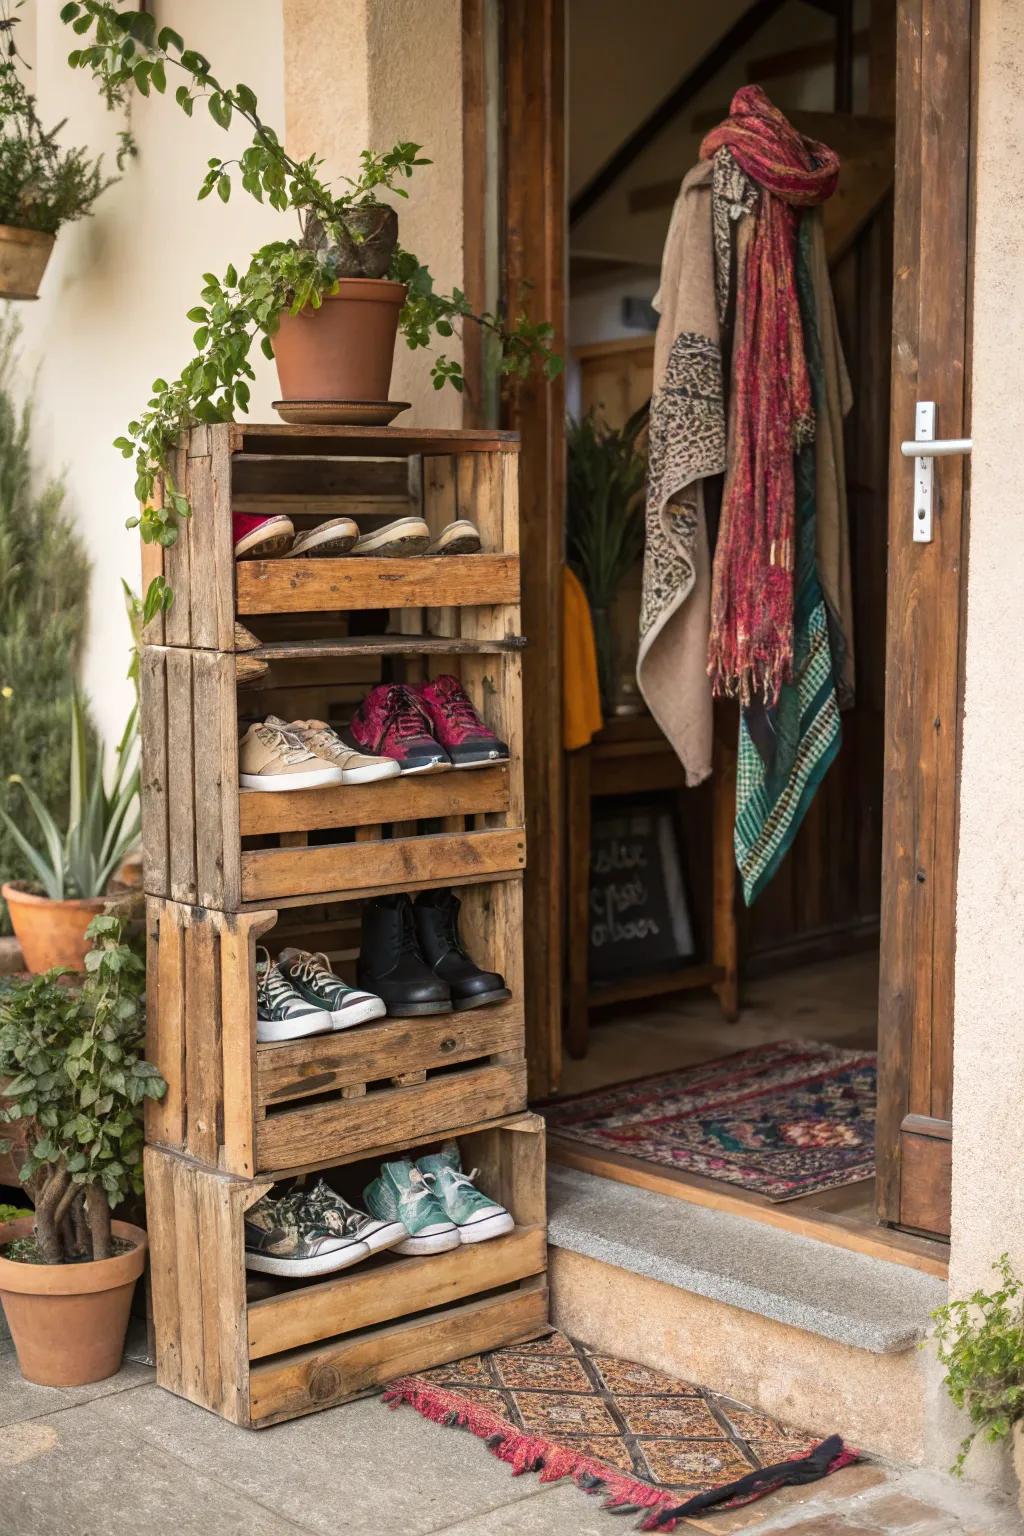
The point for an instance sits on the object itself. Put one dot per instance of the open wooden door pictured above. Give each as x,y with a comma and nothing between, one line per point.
925,615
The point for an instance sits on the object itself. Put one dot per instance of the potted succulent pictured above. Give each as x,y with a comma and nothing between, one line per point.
72,1057
73,868
42,185
980,1343
326,304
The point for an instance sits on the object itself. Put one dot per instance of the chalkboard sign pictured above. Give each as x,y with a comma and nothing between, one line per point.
639,919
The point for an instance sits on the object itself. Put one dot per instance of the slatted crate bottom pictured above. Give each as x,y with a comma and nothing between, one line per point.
319,1344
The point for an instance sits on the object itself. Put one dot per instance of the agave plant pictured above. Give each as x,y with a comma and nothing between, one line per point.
103,821
605,520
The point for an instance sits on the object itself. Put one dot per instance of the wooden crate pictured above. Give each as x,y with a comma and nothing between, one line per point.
316,1345
250,1108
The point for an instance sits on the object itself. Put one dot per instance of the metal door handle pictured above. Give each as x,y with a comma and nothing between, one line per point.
924,450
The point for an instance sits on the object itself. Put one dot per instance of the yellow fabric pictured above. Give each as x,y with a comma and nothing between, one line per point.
581,698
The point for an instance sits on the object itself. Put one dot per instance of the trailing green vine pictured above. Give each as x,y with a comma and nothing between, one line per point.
126,49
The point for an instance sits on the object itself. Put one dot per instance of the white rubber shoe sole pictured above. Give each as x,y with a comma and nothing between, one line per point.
386,769
387,1235
276,783
324,1263
438,1240
404,537
268,542
487,1226
269,1030
372,1007
335,537
459,538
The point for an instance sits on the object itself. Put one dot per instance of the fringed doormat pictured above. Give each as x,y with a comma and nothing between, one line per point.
782,1120
646,1442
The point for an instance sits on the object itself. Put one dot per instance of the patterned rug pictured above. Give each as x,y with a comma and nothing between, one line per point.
781,1120
646,1442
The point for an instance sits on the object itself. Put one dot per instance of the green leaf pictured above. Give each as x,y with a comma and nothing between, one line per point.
69,12
167,38
224,188
140,74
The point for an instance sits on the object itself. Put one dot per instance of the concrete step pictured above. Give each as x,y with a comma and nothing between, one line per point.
820,1336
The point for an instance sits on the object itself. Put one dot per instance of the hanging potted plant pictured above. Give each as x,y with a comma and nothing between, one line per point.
326,305
73,1060
42,185
73,868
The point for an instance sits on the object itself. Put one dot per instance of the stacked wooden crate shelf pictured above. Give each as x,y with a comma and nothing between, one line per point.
227,869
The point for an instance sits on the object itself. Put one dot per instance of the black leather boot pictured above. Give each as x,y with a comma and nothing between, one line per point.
437,927
390,962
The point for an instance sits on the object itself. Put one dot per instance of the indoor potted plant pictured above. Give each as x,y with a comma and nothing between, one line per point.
72,1057
332,341
73,868
980,1343
42,185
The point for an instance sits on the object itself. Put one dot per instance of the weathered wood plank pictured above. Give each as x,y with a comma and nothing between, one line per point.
353,805
238,937
306,586
181,811
271,873
154,771
165,1024
369,1297
204,1071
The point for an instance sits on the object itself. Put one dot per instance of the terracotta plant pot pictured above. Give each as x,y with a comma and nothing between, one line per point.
345,349
50,932
23,257
68,1321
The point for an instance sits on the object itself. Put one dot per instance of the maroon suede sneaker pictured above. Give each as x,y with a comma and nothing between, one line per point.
467,740
392,722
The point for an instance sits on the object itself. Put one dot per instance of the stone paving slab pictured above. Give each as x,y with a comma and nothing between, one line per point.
20,1399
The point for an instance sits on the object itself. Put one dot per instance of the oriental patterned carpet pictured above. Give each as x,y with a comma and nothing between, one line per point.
645,1442
782,1120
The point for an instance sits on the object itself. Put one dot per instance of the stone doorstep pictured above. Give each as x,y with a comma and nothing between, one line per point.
850,1298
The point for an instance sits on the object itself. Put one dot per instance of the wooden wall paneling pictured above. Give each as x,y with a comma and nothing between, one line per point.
923,693
533,219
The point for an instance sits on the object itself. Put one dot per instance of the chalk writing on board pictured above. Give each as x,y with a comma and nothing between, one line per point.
638,917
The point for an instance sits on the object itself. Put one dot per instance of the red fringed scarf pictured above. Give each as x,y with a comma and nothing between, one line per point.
751,643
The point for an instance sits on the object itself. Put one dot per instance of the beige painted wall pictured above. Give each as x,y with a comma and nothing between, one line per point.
111,316
368,74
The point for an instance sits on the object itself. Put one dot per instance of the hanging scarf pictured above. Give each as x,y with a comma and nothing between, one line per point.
750,648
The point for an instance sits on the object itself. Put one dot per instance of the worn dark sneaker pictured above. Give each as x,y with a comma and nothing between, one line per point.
392,722
339,1216
282,1013
315,982
476,1215
286,1237
469,742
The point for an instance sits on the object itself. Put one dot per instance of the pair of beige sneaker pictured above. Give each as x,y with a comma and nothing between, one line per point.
277,754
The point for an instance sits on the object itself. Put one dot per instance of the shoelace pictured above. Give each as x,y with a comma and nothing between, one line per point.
271,987
287,745
312,967
328,741
403,714
459,710
408,943
462,1180
421,1186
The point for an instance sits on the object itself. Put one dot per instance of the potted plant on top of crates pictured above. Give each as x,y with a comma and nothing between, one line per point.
72,1057
325,306
74,866
42,185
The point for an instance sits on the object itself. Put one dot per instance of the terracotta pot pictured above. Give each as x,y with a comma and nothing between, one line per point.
68,1321
23,257
345,349
50,932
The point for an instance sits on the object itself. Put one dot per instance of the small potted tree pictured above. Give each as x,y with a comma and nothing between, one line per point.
980,1342
42,185
73,867
73,1060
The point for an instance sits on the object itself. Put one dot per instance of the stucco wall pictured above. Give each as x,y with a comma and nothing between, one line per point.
366,74
111,316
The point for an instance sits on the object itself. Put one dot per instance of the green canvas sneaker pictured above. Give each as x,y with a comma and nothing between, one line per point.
401,1193
281,1013
313,980
476,1215
337,1215
285,1237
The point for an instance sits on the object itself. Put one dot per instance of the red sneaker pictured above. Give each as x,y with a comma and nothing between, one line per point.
261,538
469,742
391,722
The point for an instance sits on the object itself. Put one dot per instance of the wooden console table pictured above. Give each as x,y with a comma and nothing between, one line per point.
631,756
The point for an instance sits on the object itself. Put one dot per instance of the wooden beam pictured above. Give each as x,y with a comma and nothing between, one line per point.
737,37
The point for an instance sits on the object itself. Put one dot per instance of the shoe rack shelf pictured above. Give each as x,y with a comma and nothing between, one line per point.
320,1343
227,869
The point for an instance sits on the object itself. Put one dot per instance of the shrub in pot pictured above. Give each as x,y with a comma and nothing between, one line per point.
332,339
73,867
980,1342
42,185
73,1059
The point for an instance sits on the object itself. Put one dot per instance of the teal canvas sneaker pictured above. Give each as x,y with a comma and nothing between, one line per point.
475,1214
334,1211
401,1193
313,980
